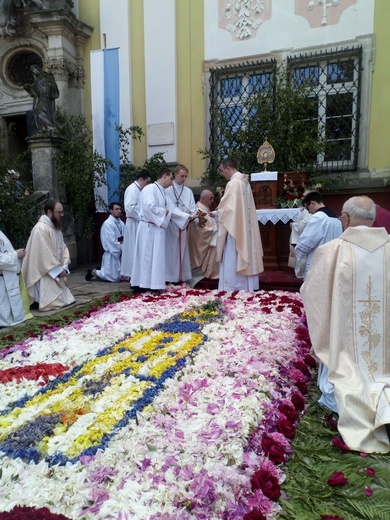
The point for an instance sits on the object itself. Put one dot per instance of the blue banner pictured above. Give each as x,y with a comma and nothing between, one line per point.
111,120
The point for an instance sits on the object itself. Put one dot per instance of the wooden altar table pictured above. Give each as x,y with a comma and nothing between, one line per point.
274,225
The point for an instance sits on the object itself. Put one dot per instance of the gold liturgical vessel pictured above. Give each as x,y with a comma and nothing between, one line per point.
265,154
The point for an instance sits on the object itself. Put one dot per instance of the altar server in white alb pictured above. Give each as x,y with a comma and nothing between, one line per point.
322,227
156,211
347,303
111,237
178,264
131,206
11,304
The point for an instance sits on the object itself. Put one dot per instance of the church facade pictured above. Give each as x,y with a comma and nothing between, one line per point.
180,60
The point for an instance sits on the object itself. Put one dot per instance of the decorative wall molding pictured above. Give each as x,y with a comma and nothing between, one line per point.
242,18
322,12
62,68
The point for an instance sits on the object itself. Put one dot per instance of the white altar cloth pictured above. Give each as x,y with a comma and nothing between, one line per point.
277,215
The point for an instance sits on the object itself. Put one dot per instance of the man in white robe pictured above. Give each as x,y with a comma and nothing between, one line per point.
239,248
297,228
322,227
178,264
131,206
111,238
202,241
46,264
347,302
156,211
11,303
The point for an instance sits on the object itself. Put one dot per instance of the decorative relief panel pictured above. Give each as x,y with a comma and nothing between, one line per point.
322,12
242,18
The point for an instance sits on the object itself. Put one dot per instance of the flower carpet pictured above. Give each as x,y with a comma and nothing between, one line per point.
181,405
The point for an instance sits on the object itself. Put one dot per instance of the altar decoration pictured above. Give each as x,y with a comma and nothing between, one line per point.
180,405
265,154
290,193
264,184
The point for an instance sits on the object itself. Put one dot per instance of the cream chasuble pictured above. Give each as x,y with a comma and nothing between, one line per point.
347,302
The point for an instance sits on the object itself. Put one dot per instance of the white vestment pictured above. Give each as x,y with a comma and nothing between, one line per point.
149,258
46,258
11,305
178,264
239,247
111,230
296,231
131,205
347,303
318,231
202,245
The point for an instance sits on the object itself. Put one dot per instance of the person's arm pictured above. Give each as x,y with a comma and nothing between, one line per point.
109,238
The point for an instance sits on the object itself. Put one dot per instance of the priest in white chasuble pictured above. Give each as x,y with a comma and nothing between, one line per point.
347,302
45,266
239,247
202,241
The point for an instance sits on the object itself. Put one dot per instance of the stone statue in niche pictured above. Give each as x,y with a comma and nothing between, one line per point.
9,18
44,90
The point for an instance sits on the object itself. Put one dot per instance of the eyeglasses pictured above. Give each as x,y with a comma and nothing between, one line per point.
56,211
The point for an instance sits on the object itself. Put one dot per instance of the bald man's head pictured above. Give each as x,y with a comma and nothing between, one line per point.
207,198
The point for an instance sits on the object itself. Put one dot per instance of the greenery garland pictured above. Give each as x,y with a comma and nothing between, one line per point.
319,453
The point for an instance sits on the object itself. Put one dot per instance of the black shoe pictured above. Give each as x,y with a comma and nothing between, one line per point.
138,290
88,276
34,305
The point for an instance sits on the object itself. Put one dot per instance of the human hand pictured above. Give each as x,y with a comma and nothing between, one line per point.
21,253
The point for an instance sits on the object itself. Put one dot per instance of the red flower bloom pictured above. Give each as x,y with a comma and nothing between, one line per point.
300,365
32,372
287,409
329,418
367,491
339,443
331,517
273,450
302,386
256,514
10,337
286,428
310,361
268,484
370,471
337,479
27,513
298,401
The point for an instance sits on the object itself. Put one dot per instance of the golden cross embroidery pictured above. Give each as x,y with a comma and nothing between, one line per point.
367,328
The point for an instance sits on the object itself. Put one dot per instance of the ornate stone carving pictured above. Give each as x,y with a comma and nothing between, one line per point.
12,13
245,16
62,69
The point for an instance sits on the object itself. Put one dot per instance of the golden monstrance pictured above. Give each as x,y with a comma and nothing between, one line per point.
265,154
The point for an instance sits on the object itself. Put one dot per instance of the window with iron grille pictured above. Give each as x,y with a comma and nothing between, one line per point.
335,84
230,88
333,80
